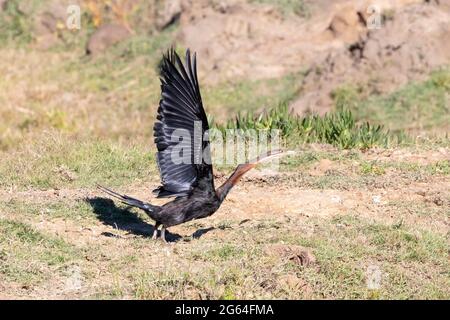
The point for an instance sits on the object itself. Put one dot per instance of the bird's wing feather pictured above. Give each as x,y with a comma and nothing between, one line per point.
180,108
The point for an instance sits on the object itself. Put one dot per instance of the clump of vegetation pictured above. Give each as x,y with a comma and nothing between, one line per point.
371,168
55,163
440,167
29,256
336,128
14,24
251,94
424,104
288,7
441,79
346,97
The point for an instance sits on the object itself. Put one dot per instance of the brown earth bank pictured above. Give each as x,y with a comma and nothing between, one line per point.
332,42
333,45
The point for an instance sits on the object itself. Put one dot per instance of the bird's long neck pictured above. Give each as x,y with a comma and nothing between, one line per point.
241,169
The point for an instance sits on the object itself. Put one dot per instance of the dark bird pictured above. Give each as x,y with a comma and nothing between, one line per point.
190,182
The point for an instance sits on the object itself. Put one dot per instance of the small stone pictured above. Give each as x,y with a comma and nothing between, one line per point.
106,36
170,13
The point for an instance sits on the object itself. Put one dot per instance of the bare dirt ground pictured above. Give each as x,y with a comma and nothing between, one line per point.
252,201
312,230
262,211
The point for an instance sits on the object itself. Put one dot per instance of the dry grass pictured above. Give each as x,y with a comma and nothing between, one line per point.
108,249
69,122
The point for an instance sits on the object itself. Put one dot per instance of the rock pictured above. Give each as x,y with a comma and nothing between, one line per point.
48,23
411,44
443,3
170,13
295,284
25,7
51,21
3,4
346,24
240,40
234,46
321,168
106,36
438,199
297,254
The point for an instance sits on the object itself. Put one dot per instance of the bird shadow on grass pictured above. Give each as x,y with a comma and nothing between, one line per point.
123,219
197,234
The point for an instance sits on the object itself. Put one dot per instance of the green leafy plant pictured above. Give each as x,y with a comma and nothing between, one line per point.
14,24
288,7
338,128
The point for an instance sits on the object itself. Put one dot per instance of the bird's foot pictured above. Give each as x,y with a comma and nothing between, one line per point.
155,231
163,235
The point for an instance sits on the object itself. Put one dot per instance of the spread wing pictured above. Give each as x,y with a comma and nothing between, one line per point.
181,153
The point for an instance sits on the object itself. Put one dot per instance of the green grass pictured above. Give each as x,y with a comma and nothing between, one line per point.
338,128
235,263
395,250
225,252
416,107
77,121
16,26
233,97
405,245
29,256
372,168
77,209
351,170
287,7
100,97
57,161
440,167
60,163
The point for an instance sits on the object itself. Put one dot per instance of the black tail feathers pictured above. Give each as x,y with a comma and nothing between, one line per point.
130,201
